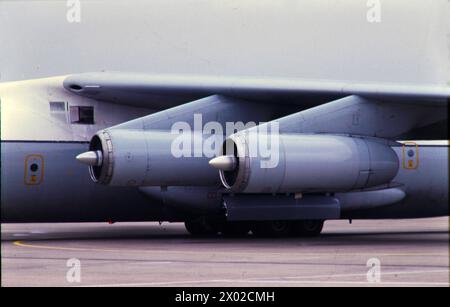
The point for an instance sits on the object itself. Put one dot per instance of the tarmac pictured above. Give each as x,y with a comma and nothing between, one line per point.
365,253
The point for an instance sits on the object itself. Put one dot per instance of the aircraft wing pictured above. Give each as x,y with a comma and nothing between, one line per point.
163,91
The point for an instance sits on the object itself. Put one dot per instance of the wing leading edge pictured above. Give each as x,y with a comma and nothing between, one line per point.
162,91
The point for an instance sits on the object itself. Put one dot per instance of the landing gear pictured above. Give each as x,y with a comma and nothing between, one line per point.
201,227
206,227
272,228
235,229
307,228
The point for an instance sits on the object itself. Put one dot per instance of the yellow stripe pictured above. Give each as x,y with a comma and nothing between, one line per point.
85,249
76,249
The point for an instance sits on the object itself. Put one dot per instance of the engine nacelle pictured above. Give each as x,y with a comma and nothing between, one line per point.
306,163
121,157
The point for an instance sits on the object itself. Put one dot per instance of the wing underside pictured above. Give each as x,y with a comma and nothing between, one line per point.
164,91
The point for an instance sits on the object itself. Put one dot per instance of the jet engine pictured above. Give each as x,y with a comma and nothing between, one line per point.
305,163
127,157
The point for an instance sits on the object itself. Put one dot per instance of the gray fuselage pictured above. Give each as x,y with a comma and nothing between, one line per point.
62,191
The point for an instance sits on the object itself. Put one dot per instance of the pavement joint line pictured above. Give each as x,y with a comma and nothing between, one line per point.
365,274
272,281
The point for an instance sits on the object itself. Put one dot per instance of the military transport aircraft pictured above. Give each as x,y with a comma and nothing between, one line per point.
122,146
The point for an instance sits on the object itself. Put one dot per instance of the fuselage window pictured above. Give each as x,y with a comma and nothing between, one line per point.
82,115
57,106
58,110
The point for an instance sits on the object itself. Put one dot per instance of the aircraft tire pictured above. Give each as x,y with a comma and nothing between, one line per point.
201,227
307,228
235,229
272,228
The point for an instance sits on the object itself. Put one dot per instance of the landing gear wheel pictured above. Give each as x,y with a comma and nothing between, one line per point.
307,228
272,228
235,229
201,227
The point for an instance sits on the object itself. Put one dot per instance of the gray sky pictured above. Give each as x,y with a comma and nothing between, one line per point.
320,39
